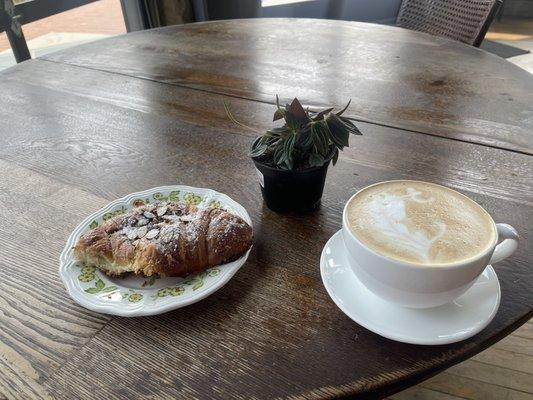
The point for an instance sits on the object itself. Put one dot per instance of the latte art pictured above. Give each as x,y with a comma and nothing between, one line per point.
419,222
388,213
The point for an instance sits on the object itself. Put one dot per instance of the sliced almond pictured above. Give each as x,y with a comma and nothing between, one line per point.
152,234
162,211
167,237
149,215
142,221
186,218
131,233
171,218
141,232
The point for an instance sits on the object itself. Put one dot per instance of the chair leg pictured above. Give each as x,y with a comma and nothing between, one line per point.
486,25
18,45
9,23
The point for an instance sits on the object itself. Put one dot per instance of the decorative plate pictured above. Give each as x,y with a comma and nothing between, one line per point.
135,295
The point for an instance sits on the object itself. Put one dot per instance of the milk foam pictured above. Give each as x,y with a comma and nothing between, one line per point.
419,222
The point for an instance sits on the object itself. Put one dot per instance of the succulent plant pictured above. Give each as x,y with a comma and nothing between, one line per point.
307,139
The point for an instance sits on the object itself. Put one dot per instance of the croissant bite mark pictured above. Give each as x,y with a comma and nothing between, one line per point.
165,238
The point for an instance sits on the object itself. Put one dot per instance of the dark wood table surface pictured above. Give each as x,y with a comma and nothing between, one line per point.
84,126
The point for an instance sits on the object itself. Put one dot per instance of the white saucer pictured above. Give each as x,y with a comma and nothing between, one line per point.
449,323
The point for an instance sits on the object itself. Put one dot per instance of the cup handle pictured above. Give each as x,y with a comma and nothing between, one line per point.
507,246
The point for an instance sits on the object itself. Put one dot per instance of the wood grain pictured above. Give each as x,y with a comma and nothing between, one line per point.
465,388
40,326
394,77
87,137
153,106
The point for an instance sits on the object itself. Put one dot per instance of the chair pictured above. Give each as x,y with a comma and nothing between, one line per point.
15,13
464,20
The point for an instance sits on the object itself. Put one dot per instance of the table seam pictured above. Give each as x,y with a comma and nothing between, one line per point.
359,119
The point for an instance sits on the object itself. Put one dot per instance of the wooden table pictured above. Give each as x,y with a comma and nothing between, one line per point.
81,127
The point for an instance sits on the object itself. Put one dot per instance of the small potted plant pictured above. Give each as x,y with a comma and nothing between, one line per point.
292,160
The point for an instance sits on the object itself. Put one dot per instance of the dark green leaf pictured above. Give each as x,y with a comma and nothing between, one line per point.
335,156
320,115
258,150
307,137
323,138
316,160
345,108
297,110
278,132
288,149
353,129
92,290
339,131
295,115
278,155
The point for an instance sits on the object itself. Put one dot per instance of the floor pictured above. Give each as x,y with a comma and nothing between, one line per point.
503,372
87,23
517,33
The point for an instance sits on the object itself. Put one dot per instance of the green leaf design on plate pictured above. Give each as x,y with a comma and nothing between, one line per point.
88,269
135,297
177,291
215,204
99,287
159,196
100,284
108,215
213,272
86,277
163,292
125,295
198,284
120,211
93,224
174,195
192,198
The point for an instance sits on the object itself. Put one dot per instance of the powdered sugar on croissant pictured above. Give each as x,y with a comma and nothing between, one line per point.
165,238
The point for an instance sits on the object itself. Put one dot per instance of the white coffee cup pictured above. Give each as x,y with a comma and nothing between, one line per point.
419,286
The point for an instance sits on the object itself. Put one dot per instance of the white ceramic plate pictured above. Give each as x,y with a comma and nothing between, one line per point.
449,323
136,296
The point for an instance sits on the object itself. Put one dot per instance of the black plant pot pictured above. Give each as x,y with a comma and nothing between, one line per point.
292,191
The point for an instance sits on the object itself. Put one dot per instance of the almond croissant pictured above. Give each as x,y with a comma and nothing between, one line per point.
165,238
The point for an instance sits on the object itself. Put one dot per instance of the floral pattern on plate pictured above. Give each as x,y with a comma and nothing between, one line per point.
136,295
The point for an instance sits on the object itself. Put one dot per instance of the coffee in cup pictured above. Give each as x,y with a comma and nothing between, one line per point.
418,244
420,223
